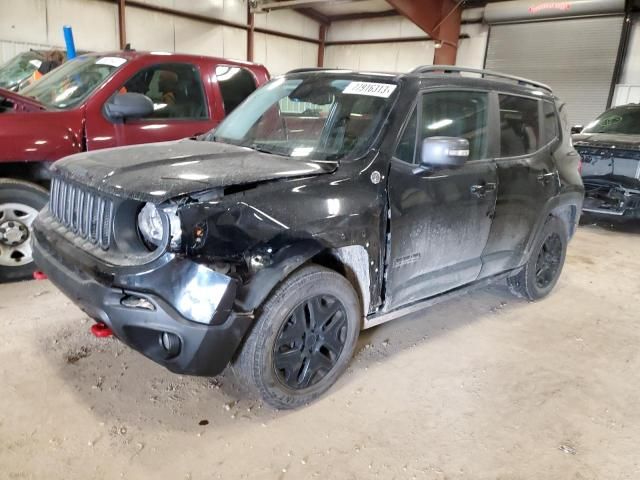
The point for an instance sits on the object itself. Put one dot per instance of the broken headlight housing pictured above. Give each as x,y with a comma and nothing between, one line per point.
152,222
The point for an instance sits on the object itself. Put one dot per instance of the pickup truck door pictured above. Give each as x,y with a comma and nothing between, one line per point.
183,107
439,219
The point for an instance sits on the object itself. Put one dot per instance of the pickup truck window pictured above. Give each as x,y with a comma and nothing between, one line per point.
174,88
457,114
341,117
70,84
519,128
235,84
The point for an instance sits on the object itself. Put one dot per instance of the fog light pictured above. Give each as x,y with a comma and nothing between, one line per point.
132,301
170,343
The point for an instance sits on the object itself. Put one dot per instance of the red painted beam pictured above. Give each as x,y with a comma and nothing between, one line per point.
323,39
440,19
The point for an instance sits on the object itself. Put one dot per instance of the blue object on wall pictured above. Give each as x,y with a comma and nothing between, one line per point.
68,40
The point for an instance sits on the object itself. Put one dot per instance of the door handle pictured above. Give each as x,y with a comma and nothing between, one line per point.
482,189
545,177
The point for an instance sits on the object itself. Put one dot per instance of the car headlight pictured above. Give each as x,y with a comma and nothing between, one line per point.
152,226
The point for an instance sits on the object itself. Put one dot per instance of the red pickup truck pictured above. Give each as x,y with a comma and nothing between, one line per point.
99,101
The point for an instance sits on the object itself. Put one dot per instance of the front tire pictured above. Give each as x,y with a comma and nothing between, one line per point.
303,338
20,203
542,271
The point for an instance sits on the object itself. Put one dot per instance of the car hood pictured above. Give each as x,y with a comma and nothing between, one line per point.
160,171
607,140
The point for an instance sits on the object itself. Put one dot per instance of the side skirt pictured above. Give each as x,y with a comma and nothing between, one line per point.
377,319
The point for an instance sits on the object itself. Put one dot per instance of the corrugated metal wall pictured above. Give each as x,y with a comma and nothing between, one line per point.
398,56
28,24
576,57
628,90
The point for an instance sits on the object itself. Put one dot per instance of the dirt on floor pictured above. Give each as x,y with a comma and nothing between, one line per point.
484,387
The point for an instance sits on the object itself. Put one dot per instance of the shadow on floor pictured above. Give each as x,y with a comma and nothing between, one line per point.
126,390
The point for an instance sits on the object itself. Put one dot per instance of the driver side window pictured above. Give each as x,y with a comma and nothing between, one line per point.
461,114
174,88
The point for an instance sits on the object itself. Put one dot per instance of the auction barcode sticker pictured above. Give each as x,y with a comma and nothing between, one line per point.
370,88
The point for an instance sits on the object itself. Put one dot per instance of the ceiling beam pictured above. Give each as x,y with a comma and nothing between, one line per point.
440,19
363,15
313,14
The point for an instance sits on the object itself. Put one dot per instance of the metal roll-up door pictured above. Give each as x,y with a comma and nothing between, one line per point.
576,57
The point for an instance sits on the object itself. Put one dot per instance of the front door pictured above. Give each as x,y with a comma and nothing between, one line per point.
439,219
180,108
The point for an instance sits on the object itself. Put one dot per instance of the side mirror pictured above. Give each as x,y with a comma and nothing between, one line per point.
128,105
444,152
576,129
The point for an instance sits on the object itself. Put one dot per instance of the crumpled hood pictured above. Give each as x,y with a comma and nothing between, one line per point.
160,171
606,140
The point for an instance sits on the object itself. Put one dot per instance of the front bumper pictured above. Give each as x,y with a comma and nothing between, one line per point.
205,349
611,200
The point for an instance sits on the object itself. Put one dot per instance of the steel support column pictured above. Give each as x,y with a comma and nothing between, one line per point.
440,19
122,26
323,38
250,30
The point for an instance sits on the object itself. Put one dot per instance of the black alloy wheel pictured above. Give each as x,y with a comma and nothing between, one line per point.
549,261
310,342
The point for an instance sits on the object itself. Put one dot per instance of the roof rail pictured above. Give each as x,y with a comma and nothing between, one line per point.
312,69
484,73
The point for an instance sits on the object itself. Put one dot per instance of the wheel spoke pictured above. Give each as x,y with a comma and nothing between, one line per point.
306,373
289,362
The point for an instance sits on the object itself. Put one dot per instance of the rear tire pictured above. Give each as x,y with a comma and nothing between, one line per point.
303,338
542,271
20,202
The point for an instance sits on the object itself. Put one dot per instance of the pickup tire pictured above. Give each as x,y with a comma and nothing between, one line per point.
542,271
303,338
20,202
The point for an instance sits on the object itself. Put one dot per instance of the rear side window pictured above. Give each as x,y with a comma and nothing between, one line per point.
235,84
550,128
457,114
519,126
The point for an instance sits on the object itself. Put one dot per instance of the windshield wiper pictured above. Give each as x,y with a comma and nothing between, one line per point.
259,148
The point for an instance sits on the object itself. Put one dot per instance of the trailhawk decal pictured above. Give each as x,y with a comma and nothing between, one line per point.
369,88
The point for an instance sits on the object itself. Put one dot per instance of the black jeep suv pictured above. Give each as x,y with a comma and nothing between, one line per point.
329,202
610,151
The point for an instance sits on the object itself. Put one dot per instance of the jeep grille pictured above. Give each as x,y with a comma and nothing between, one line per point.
84,212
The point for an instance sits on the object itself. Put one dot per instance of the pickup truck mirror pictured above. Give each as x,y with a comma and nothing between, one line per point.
444,152
577,129
128,105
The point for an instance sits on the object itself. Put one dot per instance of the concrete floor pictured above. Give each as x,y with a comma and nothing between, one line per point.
484,387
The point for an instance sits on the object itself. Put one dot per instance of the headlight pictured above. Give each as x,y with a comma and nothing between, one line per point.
151,226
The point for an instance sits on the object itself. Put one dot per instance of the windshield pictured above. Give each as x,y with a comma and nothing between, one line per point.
19,68
318,117
71,83
622,120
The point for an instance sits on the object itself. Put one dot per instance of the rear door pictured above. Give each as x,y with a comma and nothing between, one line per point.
440,220
181,108
527,177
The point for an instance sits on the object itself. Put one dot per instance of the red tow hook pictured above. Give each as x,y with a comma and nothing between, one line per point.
39,275
101,330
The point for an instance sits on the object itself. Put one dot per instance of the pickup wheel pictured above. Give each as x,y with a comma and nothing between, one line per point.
541,272
20,203
303,339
